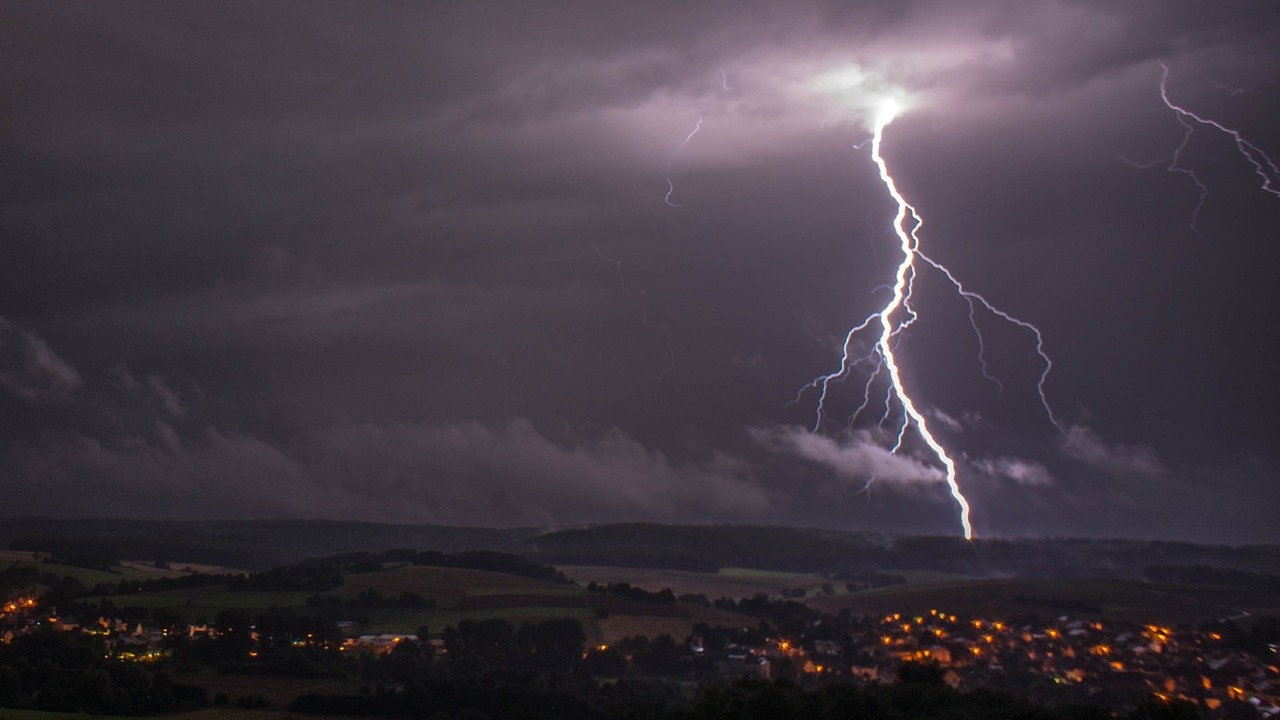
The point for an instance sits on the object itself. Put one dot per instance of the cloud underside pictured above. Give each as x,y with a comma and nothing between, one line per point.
1086,446
861,456
32,371
858,458
465,473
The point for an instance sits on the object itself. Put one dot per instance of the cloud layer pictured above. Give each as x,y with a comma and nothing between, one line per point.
469,473
30,370
414,262
860,457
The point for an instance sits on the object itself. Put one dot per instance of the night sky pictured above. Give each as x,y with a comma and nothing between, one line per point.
455,262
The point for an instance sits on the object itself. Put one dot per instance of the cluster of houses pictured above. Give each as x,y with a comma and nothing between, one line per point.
136,642
1070,659
1067,659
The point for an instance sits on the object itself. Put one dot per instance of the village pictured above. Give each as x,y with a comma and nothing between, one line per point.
1066,660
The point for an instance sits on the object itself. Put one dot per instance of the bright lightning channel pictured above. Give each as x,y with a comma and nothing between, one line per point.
909,242
898,314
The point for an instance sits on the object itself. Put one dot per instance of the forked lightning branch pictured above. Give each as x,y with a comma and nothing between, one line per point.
885,325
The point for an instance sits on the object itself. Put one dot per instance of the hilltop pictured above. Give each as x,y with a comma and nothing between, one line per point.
261,544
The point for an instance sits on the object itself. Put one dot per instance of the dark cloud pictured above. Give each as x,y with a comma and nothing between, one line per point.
30,370
505,474
364,249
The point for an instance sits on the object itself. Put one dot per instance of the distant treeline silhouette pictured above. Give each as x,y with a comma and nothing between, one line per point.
1206,575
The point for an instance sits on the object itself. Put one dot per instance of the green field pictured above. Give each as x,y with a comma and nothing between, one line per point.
125,570
930,577
227,713
86,576
741,572
15,714
457,594
476,594
407,621
1126,600
218,713
448,586
204,603
730,582
452,595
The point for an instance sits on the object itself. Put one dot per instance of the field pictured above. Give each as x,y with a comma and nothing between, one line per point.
619,625
450,586
461,594
204,603
147,568
13,714
125,570
457,594
1126,600
930,577
454,594
277,691
730,582
447,596
218,713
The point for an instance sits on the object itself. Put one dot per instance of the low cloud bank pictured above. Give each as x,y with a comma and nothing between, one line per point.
506,473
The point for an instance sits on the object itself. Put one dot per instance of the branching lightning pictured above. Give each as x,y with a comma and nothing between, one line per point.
886,324
970,297
639,295
870,347
1264,166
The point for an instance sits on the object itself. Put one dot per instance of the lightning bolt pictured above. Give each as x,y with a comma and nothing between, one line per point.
971,297
671,188
901,299
886,324
1263,166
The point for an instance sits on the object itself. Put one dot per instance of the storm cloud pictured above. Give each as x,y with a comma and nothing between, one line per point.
415,262
859,457
503,475
30,370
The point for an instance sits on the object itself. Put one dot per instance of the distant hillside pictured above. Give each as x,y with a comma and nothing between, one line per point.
249,544
260,544
707,548
850,554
